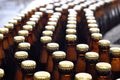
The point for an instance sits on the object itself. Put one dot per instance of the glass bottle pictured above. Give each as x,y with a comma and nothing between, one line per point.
83,76
57,57
81,50
42,75
66,70
28,69
115,62
103,71
91,60
2,74
104,50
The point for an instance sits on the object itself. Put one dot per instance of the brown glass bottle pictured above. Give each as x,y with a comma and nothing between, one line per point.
51,47
66,70
91,60
103,71
28,69
2,73
42,75
19,57
104,50
115,62
83,76
81,50
57,57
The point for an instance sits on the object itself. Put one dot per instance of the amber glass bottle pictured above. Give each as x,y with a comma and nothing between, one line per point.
103,71
28,69
19,57
81,50
83,76
104,50
42,75
2,73
66,70
115,62
57,57
91,60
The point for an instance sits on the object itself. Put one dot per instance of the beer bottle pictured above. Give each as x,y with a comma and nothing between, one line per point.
42,75
51,47
81,50
66,70
28,69
104,50
115,60
19,57
91,60
83,76
103,71
57,57
2,73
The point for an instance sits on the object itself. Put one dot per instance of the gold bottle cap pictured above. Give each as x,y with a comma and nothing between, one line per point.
66,65
21,55
59,55
47,33
28,64
70,31
94,30
71,26
53,19
23,33
72,14
2,73
92,25
83,76
72,18
57,4
50,27
9,26
4,30
103,66
1,37
39,13
104,42
19,39
27,27
96,36
18,18
42,9
91,55
90,18
52,23
53,46
82,47
13,21
35,16
32,23
58,9
91,21
42,75
115,50
71,37
24,45
45,39
71,22
34,19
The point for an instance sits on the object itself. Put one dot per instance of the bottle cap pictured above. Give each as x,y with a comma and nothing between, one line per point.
32,23
104,42
91,55
52,23
96,36
24,45
71,26
42,75
82,47
13,21
94,30
2,73
77,7
1,37
39,13
57,4
19,39
21,15
28,64
71,37
91,21
58,9
66,65
92,25
50,27
27,27
47,33
18,18
4,30
56,14
49,11
21,55
90,18
103,67
9,26
53,46
53,19
42,9
72,18
45,39
23,33
115,50
35,16
59,55
83,76
71,22
34,19
70,31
